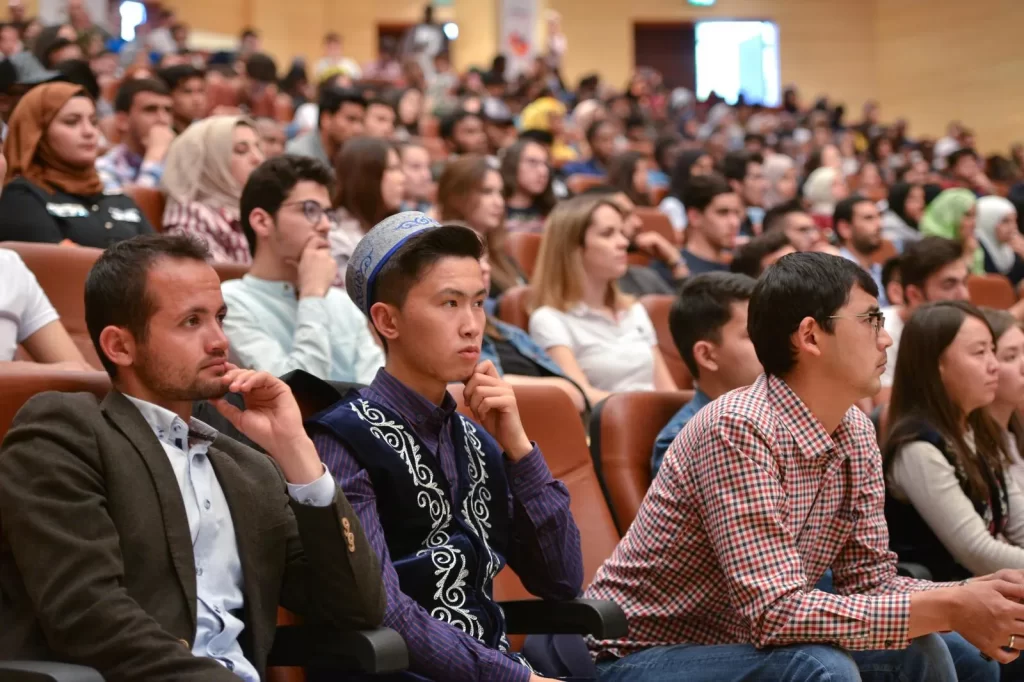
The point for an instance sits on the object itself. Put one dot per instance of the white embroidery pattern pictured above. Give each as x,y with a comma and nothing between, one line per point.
447,560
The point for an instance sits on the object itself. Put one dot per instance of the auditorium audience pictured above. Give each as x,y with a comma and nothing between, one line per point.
951,504
736,488
463,133
188,94
901,218
1005,408
601,338
52,192
143,118
409,110
272,137
284,314
691,162
206,168
106,504
601,143
526,180
1000,241
419,184
858,226
708,321
424,292
28,319
953,215
340,118
891,282
379,120
714,214
470,191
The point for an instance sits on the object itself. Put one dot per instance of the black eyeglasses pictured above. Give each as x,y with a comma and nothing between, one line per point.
877,318
313,211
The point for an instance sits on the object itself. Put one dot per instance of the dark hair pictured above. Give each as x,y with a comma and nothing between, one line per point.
176,76
844,209
359,169
919,398
734,166
775,217
333,98
598,190
332,37
126,93
115,289
273,180
541,137
595,128
702,307
891,270
954,158
1001,322
799,286
249,32
58,44
446,128
261,67
703,189
755,137
79,72
621,169
422,251
662,145
748,257
814,160
384,100
681,172
898,194
543,202
923,258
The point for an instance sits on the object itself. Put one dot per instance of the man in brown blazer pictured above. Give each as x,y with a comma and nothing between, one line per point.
139,541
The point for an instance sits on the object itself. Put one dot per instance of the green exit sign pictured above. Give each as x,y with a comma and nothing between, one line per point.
702,3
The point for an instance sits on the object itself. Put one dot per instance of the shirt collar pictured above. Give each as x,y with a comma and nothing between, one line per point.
170,429
812,440
410,404
699,399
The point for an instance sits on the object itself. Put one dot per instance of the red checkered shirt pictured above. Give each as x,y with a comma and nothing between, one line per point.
221,229
754,501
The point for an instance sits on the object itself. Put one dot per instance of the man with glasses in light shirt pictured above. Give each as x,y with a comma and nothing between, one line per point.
284,314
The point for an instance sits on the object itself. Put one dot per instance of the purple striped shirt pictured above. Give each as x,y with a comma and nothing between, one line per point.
544,546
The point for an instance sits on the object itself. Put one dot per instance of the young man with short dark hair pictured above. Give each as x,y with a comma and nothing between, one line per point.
793,219
379,120
743,170
143,118
713,213
708,322
447,501
766,489
140,541
601,139
755,256
188,94
341,115
463,133
858,224
284,314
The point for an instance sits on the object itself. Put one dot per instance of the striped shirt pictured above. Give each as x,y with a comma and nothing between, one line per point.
121,166
221,229
544,545
753,503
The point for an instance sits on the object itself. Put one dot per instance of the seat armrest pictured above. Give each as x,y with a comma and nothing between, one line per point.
910,570
602,619
46,671
319,646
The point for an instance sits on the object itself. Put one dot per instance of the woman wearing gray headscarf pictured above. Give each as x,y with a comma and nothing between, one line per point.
780,172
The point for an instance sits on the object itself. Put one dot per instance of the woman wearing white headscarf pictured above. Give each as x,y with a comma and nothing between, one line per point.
997,233
204,173
780,173
824,188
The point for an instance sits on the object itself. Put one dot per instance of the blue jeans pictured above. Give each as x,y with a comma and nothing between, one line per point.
928,659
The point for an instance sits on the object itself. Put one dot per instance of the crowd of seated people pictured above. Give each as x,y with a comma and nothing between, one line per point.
426,245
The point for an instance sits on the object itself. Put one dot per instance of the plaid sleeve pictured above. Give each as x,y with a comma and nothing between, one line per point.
743,507
188,219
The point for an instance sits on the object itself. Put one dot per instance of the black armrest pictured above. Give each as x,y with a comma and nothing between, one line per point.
602,619
905,568
311,646
45,671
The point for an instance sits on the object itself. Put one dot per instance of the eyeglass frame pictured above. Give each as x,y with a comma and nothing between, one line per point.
877,318
305,203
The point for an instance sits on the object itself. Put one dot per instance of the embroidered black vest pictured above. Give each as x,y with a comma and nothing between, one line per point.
914,541
445,545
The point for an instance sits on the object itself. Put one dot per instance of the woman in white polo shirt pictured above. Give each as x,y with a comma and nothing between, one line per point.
601,338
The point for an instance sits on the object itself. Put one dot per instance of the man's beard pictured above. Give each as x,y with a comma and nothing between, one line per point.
179,386
866,246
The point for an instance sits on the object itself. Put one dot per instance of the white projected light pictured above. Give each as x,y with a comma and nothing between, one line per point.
451,30
735,57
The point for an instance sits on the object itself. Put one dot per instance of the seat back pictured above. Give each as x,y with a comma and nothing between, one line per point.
658,307
18,383
991,290
228,271
656,221
623,429
523,247
550,419
151,202
658,195
580,183
61,271
513,307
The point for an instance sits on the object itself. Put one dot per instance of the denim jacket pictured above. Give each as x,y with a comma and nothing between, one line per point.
525,345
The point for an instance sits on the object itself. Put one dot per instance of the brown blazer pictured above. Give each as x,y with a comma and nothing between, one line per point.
96,563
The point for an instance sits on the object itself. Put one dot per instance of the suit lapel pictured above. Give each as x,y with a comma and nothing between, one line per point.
126,417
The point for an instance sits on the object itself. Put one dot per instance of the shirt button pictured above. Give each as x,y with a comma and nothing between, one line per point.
199,571
207,504
95,207
108,225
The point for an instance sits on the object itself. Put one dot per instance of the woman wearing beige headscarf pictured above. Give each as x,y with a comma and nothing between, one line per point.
204,173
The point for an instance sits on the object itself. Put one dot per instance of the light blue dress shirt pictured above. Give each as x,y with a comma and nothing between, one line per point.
272,330
220,598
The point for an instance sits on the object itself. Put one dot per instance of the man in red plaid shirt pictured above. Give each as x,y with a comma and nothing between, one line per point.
762,492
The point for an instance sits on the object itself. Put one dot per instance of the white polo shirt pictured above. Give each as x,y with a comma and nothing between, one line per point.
615,354
894,325
24,308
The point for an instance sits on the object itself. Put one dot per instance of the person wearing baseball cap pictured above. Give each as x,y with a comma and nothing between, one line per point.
446,501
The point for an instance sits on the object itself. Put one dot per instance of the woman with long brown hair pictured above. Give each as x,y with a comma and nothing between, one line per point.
950,502
601,338
470,191
369,187
1005,408
527,189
